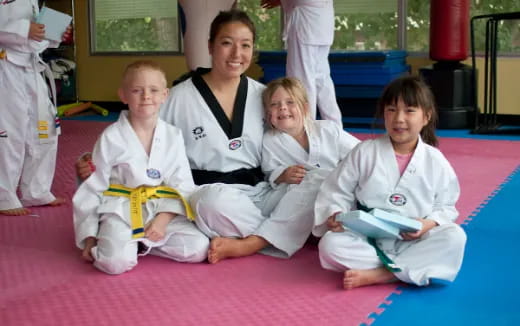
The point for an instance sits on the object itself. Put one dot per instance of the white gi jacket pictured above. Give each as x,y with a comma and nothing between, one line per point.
120,158
328,145
428,188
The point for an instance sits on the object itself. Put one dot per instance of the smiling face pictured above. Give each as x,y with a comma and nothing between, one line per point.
404,124
232,50
144,90
284,113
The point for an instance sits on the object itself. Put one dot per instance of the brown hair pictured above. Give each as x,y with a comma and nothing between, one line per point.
414,92
228,17
143,64
297,92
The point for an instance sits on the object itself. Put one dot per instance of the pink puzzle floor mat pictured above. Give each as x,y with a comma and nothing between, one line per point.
43,281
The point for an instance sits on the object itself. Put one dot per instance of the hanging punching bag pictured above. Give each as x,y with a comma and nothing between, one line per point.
449,30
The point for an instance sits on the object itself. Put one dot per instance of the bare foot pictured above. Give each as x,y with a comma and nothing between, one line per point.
57,202
354,278
221,248
15,211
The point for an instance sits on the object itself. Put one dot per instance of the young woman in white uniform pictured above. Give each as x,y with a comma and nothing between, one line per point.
308,34
142,153
298,153
28,128
402,173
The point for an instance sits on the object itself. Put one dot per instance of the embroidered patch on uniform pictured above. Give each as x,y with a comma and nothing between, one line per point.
235,144
397,199
198,133
153,173
3,134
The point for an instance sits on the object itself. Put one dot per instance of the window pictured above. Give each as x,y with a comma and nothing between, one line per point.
133,26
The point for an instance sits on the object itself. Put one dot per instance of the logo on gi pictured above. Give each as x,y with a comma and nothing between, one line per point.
397,199
198,133
153,173
235,144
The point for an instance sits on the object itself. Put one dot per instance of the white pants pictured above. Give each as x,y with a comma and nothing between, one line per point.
437,254
24,161
199,15
116,252
283,217
310,64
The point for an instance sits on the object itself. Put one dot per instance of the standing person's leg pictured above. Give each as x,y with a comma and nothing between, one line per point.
40,159
199,14
14,128
325,91
300,64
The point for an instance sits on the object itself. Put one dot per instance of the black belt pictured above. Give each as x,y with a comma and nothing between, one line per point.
243,176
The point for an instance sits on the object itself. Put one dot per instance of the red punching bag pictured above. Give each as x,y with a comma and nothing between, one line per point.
449,30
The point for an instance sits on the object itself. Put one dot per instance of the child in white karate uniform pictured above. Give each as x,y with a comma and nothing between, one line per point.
28,126
298,153
137,196
400,172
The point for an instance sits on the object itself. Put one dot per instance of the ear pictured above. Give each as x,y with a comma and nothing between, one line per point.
210,48
121,95
427,118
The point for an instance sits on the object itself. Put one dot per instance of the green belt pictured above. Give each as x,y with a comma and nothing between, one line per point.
387,262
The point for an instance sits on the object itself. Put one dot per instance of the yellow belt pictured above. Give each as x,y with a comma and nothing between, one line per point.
3,54
139,196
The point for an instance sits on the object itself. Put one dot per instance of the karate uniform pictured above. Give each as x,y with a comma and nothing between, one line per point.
428,189
28,129
213,143
308,35
291,206
120,159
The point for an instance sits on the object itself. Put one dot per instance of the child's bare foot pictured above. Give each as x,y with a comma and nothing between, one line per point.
15,211
354,278
221,248
57,202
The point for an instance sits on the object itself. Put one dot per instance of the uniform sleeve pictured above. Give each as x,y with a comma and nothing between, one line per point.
180,179
336,194
446,196
346,142
88,197
13,31
272,165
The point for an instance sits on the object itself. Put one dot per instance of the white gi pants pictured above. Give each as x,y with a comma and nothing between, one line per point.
437,254
310,64
116,252
24,161
284,217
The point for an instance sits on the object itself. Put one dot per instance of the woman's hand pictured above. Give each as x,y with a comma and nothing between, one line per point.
36,32
333,225
84,166
292,175
427,225
66,37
